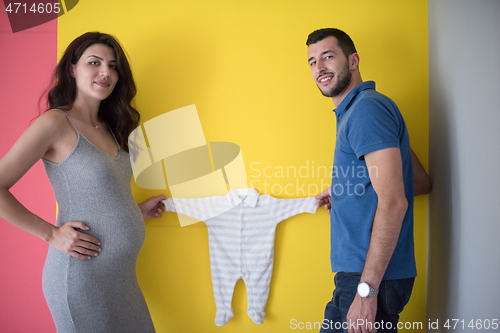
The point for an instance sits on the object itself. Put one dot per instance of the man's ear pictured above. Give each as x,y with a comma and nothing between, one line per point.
353,61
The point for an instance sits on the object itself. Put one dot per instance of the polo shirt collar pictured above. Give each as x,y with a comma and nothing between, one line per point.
346,102
247,195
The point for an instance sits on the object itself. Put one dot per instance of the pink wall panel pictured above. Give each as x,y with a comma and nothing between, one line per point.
27,59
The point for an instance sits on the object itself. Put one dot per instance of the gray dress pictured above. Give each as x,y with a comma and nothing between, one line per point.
100,294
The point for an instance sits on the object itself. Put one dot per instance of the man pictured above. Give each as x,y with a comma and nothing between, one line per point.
371,197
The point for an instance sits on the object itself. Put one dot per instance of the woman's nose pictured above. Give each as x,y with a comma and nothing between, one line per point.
105,71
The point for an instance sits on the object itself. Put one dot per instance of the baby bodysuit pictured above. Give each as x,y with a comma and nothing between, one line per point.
241,229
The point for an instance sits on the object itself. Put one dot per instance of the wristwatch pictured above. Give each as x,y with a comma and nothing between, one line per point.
364,290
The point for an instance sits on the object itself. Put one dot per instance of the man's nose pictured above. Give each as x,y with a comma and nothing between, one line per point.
320,67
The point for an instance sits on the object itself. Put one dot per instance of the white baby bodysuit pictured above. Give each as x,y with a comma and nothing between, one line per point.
241,229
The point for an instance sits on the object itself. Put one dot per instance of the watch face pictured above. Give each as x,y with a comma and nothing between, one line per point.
363,289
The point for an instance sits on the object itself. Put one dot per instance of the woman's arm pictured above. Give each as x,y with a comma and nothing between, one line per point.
41,139
421,180
152,207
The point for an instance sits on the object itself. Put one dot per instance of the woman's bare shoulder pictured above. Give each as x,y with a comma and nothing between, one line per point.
53,121
53,117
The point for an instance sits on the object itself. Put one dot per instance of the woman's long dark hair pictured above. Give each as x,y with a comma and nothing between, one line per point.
116,110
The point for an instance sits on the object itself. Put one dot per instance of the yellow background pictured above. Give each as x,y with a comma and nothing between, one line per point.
244,65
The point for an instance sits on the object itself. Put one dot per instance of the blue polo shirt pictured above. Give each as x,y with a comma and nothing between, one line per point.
367,121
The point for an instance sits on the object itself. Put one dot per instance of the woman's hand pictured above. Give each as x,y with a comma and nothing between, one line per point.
152,207
67,240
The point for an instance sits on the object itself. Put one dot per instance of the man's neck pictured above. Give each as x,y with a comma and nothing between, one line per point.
353,84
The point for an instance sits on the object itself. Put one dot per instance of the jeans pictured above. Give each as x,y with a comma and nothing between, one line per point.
392,298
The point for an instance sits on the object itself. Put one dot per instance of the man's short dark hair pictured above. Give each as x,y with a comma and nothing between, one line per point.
345,42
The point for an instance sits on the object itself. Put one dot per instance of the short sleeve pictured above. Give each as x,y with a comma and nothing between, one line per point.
199,208
372,126
281,209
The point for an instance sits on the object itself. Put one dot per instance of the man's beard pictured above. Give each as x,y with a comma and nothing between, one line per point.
343,81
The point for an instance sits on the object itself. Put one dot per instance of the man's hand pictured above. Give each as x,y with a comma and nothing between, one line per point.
152,207
362,315
325,198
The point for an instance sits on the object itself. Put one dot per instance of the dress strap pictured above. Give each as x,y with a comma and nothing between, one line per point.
110,131
68,119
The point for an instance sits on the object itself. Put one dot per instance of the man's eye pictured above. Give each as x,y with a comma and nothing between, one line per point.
328,57
312,63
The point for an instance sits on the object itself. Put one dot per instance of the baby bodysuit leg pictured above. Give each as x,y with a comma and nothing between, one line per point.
258,255
257,281
223,285
226,269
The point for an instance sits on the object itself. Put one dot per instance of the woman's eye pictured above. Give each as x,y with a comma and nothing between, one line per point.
95,63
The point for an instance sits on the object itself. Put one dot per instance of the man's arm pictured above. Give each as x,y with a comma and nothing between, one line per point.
421,183
421,180
386,175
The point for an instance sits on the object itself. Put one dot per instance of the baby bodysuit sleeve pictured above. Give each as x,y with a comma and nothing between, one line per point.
281,209
199,208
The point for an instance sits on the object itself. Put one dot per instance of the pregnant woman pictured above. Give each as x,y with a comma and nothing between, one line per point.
89,277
